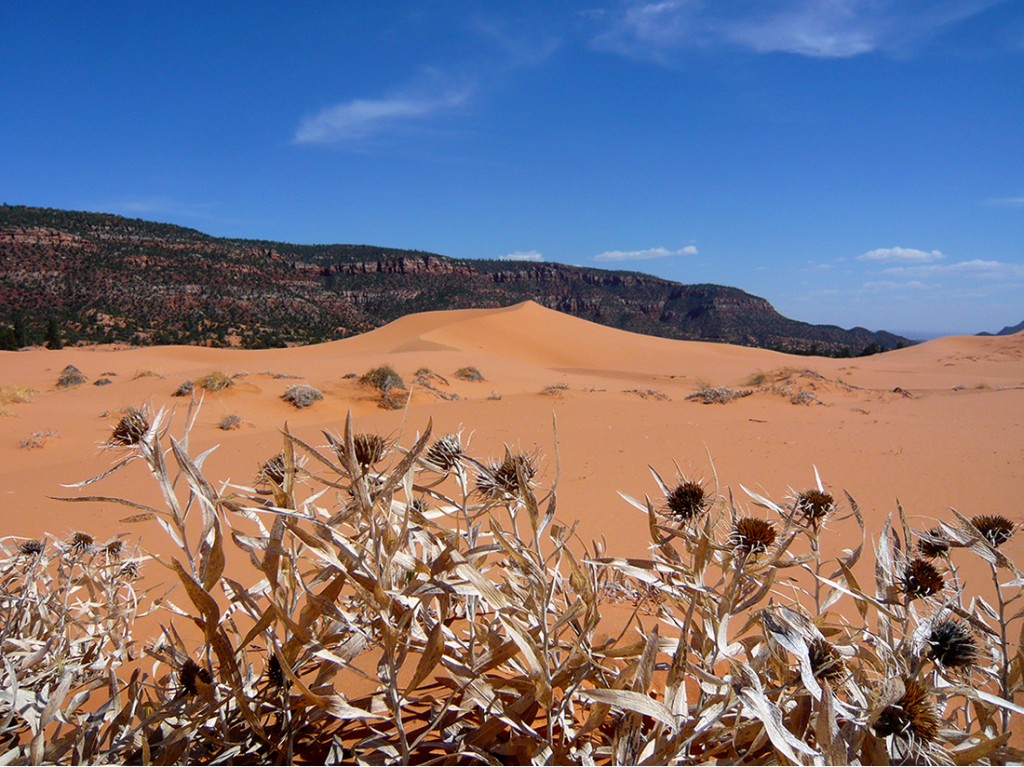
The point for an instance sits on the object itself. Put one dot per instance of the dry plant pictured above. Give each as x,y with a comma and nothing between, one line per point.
230,423
469,373
38,439
474,621
302,395
15,395
215,381
717,395
71,376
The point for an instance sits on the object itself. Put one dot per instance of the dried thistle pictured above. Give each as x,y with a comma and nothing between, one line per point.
272,470
688,500
80,542
275,675
191,671
826,661
31,548
129,571
131,429
996,529
752,536
913,715
920,578
815,506
445,452
501,479
950,643
935,545
114,548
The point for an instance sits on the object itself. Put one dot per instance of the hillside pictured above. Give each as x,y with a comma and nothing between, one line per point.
105,278
1009,330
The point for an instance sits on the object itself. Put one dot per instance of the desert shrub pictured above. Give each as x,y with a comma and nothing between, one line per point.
185,389
71,376
554,390
469,373
230,423
648,394
302,395
384,378
102,382
37,439
717,395
482,618
216,381
10,395
147,374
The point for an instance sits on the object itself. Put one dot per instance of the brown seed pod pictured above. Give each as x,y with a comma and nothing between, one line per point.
501,479
131,429
920,578
191,671
31,548
445,452
826,662
272,470
996,529
752,536
688,500
80,542
815,506
950,643
935,545
913,715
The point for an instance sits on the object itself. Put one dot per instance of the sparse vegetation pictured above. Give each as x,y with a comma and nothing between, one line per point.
38,439
383,378
469,373
14,395
71,376
302,395
216,381
648,394
717,395
481,618
230,423
146,374
555,389
185,389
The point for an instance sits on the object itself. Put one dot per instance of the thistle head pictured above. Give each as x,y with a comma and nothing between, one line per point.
688,500
996,529
815,506
129,571
80,542
951,644
131,429
920,578
275,674
445,452
191,671
913,715
826,662
502,479
32,548
934,545
752,536
272,470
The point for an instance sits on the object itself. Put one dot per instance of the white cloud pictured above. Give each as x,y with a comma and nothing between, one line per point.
911,255
643,255
1008,202
978,268
886,285
522,255
814,28
361,118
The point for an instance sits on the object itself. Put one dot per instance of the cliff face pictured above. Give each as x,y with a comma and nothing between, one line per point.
108,278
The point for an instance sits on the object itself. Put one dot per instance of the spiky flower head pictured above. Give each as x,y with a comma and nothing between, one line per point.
80,542
996,529
369,449
445,452
751,535
826,662
920,578
31,548
502,479
913,715
131,429
935,545
129,571
275,674
688,500
189,672
815,506
272,470
950,643
114,548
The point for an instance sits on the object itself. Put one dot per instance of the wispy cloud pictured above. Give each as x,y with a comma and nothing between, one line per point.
644,255
878,286
1008,202
522,255
363,118
814,28
977,268
897,254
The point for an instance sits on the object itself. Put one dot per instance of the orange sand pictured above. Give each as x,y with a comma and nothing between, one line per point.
956,440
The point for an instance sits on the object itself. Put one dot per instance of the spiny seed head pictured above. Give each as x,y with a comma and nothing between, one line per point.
935,545
815,506
688,500
272,470
996,529
129,571
752,536
131,429
920,578
31,548
80,542
189,672
501,479
114,548
369,449
951,644
826,662
445,452
419,505
913,715
275,675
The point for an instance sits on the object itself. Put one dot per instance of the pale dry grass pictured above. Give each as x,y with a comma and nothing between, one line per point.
482,615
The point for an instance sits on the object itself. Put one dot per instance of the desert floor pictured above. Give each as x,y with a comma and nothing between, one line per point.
935,426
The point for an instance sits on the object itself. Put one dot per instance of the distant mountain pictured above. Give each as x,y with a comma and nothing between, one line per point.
105,278
1009,330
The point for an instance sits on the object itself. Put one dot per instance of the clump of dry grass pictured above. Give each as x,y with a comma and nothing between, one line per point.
481,619
718,395
469,373
383,378
147,373
38,439
15,395
230,423
648,394
215,381
185,389
302,395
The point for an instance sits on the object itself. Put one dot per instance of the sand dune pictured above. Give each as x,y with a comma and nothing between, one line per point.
936,425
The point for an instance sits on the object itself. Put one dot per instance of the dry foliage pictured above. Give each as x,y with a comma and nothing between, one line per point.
215,381
717,395
481,613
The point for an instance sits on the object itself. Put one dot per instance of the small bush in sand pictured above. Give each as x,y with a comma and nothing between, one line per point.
469,373
302,395
38,439
554,390
147,374
216,381
383,378
14,395
71,376
230,423
185,389
718,395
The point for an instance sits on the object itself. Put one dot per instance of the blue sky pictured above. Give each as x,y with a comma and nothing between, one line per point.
857,162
